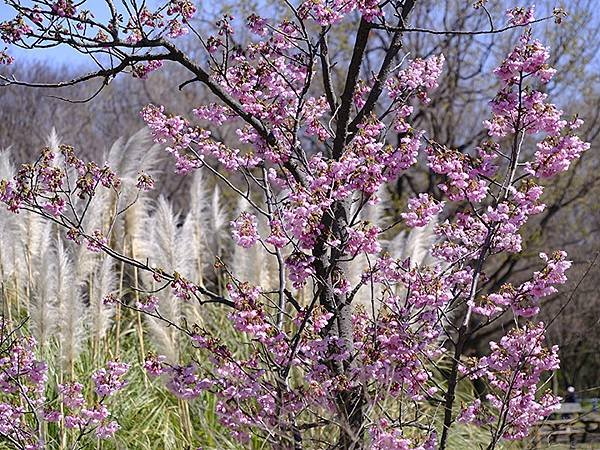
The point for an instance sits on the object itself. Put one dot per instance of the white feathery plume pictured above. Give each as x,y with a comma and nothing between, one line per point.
306,294
415,244
219,229
33,241
196,226
8,224
184,262
269,270
7,168
375,213
255,265
368,295
104,282
133,221
193,234
53,141
72,311
86,262
42,306
247,264
127,159
163,249
23,241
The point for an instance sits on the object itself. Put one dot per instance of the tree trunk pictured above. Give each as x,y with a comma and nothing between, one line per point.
351,405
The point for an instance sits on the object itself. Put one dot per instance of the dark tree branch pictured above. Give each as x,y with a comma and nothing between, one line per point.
384,72
343,113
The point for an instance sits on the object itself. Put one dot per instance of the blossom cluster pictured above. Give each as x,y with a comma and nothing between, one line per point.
418,78
245,230
264,90
24,386
249,316
521,15
109,381
421,210
331,12
513,370
44,185
83,416
524,300
525,110
517,110
384,437
23,381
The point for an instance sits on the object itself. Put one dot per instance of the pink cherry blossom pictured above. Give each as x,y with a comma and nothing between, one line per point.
421,210
245,230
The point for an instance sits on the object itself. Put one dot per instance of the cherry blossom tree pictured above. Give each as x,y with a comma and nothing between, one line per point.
319,368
